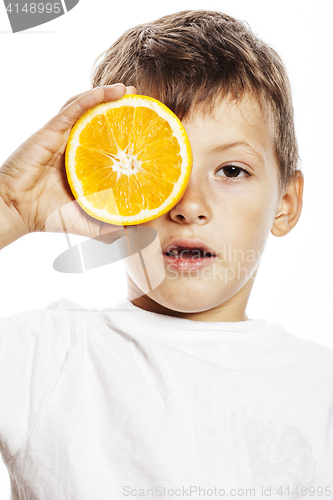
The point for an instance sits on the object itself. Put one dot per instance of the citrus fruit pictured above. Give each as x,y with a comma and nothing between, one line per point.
128,161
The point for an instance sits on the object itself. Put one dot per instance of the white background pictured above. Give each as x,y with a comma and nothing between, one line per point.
44,66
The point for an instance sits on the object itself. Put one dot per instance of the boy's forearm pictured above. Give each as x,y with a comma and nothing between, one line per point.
10,228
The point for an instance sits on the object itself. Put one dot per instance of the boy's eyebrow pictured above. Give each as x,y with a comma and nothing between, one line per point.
224,147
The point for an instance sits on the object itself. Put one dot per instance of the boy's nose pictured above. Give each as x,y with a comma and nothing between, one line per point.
193,207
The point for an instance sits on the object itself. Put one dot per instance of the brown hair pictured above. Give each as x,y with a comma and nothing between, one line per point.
194,58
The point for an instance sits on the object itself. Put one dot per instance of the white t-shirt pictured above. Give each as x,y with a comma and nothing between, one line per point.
125,403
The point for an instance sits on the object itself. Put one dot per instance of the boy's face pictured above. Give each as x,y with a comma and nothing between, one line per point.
230,205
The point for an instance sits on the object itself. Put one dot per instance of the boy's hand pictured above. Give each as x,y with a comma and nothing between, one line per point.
33,182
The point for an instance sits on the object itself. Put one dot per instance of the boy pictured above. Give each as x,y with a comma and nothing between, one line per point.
175,393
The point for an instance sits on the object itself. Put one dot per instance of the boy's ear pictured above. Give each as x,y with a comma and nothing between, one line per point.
290,206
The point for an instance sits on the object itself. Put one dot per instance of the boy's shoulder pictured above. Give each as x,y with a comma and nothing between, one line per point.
54,308
34,347
39,324
313,353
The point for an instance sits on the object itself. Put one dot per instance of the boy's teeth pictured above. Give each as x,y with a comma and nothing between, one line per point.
189,253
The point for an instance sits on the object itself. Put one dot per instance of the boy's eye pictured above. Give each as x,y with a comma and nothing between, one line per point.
232,171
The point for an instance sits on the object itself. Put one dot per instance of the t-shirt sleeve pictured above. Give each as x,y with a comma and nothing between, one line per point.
33,351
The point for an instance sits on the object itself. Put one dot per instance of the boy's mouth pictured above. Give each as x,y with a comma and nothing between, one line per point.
188,254
183,248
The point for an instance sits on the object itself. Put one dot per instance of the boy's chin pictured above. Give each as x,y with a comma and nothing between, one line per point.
177,298
192,304
172,303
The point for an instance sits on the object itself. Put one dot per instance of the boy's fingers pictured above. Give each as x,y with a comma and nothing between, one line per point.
66,118
73,99
129,90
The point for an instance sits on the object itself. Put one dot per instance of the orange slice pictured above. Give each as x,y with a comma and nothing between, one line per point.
128,161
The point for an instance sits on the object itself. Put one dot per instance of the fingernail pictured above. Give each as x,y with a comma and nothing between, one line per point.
115,85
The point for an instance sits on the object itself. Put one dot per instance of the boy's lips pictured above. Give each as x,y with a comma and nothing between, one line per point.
186,255
184,244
